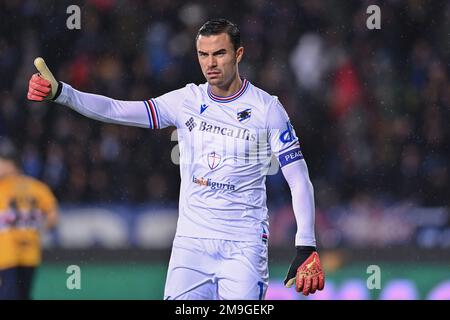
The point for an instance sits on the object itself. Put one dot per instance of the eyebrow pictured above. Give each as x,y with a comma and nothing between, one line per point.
215,52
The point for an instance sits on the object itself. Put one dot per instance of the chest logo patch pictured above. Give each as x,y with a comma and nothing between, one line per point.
203,107
243,116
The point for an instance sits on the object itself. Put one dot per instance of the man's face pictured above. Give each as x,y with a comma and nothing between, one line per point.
218,59
5,167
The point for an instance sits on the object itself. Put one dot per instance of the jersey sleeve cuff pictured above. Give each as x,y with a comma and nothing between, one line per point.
62,93
58,91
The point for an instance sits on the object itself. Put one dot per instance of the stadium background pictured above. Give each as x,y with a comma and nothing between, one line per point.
371,108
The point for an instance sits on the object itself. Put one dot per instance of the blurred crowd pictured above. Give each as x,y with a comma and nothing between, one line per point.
371,107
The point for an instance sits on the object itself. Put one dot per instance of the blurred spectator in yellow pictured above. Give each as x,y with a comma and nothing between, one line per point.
26,207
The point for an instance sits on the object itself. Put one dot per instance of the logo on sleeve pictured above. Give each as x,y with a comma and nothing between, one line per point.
289,134
244,115
203,107
264,235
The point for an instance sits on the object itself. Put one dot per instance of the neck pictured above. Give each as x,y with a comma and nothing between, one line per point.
228,89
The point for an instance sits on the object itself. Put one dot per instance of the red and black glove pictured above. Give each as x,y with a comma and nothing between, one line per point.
305,271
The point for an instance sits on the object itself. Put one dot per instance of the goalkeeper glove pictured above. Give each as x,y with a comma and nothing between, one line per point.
305,271
43,85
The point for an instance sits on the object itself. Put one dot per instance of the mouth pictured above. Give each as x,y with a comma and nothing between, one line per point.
213,74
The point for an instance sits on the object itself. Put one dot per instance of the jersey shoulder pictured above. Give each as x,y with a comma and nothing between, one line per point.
261,96
195,89
190,90
37,185
42,193
267,105
25,184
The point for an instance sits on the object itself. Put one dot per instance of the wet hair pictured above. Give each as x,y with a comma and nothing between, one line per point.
218,26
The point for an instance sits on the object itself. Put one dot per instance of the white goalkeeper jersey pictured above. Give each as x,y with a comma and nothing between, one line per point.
226,145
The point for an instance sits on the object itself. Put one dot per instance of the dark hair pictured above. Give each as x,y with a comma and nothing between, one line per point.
217,26
8,151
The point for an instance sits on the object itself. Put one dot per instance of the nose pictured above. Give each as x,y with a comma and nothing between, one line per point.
212,63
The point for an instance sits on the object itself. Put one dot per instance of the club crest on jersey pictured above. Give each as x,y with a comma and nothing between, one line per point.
244,115
214,160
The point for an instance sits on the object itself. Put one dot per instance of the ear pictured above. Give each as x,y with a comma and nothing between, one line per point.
239,54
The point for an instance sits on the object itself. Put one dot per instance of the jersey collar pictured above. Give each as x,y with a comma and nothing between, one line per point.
230,98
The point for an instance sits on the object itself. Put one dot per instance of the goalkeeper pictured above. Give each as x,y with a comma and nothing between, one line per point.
228,131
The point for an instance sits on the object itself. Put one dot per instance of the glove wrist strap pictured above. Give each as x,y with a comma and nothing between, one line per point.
305,249
58,91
